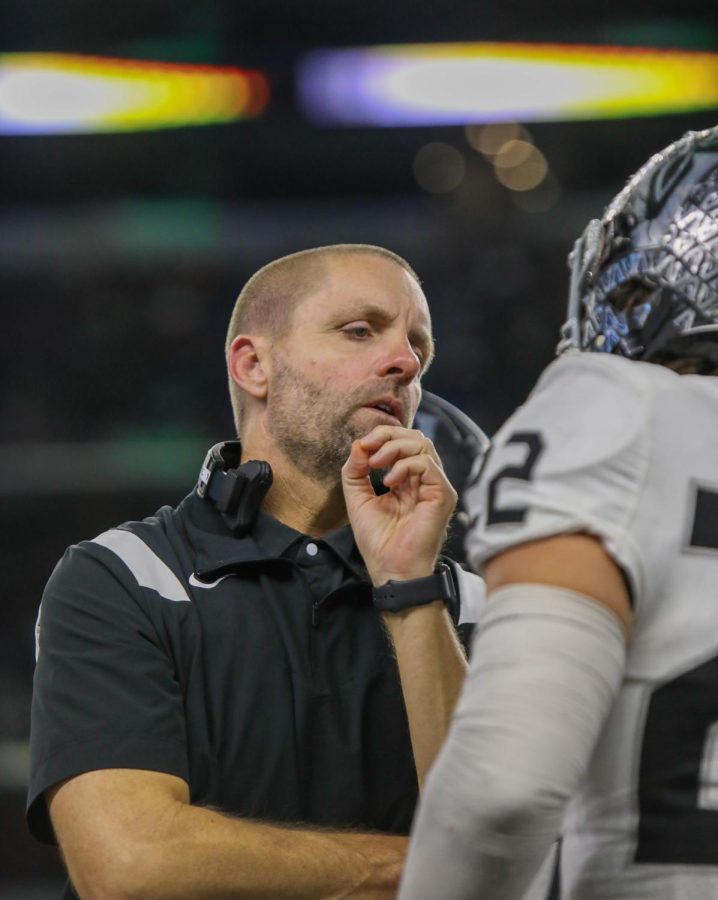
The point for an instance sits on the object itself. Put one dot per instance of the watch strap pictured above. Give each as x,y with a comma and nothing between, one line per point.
397,595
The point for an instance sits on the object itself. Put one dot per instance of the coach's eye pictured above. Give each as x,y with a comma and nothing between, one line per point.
357,331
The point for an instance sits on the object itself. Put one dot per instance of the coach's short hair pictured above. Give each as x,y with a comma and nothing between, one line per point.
267,301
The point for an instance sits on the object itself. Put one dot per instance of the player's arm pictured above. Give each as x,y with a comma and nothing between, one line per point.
400,535
577,562
546,668
127,833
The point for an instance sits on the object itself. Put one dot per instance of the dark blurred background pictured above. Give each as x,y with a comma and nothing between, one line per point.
121,256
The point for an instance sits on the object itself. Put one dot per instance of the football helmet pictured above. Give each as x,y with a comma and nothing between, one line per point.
462,446
644,278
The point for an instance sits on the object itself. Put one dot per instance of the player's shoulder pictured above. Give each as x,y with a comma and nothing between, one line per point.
585,406
613,395
571,459
583,374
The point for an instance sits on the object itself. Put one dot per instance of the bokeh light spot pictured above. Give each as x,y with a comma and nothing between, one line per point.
439,168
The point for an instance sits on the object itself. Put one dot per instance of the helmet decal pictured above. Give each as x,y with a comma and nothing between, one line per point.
647,273
662,184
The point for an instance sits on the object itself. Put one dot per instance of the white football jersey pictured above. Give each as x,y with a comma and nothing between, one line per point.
628,452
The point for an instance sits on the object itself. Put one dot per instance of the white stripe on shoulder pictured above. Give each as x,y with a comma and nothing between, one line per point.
145,565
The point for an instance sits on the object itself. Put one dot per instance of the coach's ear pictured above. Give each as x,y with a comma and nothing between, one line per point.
248,364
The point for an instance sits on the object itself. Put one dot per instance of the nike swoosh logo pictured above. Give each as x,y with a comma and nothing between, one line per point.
195,582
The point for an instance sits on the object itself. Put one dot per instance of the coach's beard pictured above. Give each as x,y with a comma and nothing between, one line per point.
305,424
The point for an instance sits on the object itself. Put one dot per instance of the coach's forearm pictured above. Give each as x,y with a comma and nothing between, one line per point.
129,834
432,667
204,854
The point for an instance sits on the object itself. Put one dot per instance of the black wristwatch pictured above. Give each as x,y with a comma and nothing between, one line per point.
397,595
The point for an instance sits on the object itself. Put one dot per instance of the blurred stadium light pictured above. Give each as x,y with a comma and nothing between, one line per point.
445,84
47,93
412,84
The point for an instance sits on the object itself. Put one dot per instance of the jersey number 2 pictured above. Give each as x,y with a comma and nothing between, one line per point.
534,445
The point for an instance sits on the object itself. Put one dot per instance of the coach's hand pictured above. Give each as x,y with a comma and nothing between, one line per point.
399,534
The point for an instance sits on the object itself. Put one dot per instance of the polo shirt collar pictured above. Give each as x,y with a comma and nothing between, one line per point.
217,549
343,544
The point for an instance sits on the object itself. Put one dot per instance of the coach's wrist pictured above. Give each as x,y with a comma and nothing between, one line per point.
417,567
379,578
396,595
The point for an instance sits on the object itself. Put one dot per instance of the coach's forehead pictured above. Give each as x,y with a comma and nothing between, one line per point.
360,279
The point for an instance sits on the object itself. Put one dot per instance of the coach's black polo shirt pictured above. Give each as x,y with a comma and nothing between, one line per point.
254,668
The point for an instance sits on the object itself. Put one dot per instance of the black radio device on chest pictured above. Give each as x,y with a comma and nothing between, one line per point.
236,489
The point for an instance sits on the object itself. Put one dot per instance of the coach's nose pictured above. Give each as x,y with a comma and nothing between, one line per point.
400,358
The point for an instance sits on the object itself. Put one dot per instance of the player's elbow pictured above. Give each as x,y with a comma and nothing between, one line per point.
495,809
519,810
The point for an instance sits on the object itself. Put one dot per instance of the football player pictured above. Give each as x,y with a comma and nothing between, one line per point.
591,705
